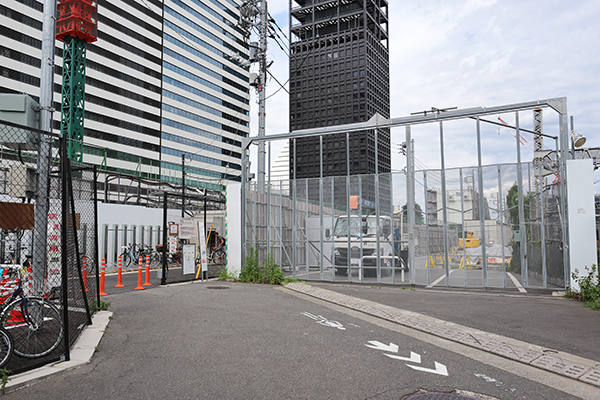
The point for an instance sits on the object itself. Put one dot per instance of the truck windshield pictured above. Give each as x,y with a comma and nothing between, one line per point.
342,229
358,226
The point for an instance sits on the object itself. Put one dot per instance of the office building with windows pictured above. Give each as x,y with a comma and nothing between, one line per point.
339,74
161,81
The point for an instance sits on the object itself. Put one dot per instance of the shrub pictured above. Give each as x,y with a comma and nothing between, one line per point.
272,273
251,272
589,288
269,273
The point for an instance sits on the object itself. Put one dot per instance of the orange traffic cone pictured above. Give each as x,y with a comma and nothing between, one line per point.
102,277
139,286
147,283
120,273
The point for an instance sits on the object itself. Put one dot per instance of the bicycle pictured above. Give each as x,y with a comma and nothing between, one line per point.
155,256
34,324
130,254
218,256
7,346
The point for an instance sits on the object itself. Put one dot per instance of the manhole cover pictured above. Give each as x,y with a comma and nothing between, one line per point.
439,396
217,287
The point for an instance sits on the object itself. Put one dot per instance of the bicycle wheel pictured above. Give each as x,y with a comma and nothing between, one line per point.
156,260
36,326
220,257
6,346
125,259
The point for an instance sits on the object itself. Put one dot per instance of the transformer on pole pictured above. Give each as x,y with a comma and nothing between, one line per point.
76,25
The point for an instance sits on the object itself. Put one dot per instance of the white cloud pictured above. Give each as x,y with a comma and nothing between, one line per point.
477,53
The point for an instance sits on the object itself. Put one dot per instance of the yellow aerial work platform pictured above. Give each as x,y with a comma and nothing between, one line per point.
470,241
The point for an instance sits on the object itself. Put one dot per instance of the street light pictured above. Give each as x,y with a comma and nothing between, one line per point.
577,138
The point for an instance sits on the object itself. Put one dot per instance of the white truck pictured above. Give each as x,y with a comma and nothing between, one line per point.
355,244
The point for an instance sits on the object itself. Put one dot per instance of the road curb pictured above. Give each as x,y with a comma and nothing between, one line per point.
81,354
564,364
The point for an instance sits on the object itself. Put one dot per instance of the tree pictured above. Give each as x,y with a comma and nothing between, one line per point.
512,204
418,213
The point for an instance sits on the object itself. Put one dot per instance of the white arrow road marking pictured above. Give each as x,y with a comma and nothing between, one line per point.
440,369
381,346
414,357
324,321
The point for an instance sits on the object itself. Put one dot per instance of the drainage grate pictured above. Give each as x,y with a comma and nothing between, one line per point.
217,287
439,396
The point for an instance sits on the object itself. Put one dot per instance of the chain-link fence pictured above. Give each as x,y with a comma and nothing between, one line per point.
464,234
498,225
47,246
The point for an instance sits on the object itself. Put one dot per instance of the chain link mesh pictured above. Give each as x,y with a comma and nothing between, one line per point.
34,233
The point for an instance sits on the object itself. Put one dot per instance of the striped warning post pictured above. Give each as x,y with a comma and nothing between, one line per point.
84,273
147,283
140,286
102,277
120,273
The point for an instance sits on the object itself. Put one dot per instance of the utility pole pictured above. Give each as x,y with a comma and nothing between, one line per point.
43,168
254,14
262,93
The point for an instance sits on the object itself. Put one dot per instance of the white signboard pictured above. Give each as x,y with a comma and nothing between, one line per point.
172,245
189,259
187,228
202,244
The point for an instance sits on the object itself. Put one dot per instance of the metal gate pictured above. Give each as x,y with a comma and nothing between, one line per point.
486,225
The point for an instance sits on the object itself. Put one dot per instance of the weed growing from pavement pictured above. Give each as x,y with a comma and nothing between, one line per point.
269,273
273,274
4,379
225,275
589,289
251,271
102,306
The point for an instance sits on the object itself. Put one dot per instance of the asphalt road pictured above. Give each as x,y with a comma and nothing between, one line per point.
535,317
216,340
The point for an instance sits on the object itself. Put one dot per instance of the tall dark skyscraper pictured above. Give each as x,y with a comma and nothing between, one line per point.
339,74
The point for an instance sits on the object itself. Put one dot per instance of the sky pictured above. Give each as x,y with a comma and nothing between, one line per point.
471,53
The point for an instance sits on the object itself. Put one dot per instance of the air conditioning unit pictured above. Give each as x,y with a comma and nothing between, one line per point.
22,110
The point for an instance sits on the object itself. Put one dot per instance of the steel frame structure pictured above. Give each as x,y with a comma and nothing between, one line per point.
377,122
73,96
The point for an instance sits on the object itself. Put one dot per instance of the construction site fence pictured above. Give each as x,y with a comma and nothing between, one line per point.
48,220
504,234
